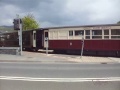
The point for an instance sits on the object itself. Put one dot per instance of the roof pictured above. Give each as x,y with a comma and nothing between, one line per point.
81,26
31,30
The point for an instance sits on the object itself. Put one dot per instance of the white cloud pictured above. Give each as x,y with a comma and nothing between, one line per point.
47,24
77,6
95,11
8,14
103,10
62,12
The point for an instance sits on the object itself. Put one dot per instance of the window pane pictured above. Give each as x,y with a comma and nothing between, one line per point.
70,33
96,37
106,32
87,37
34,36
115,32
46,34
80,32
116,37
87,32
106,37
96,32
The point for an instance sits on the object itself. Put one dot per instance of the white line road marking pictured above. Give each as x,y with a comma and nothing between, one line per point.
60,79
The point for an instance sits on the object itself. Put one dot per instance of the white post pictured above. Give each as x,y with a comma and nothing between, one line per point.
82,46
46,45
20,36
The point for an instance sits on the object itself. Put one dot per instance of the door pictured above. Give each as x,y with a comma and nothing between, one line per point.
45,39
34,38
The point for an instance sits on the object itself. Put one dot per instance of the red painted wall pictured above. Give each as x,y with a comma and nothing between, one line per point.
88,44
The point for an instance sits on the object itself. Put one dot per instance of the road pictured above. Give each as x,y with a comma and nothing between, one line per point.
58,76
69,70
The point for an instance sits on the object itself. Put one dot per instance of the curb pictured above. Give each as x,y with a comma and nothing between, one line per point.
68,62
114,60
26,59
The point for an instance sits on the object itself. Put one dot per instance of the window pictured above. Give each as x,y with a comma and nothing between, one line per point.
87,37
106,37
87,32
70,33
96,32
79,32
46,34
97,37
106,32
115,32
34,36
115,37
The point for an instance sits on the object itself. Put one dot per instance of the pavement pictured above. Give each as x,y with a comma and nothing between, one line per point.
43,57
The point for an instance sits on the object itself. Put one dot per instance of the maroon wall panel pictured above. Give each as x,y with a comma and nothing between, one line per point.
102,44
58,44
88,44
76,44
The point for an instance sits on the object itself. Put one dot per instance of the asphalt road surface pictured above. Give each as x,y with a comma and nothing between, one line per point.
55,76
28,85
27,69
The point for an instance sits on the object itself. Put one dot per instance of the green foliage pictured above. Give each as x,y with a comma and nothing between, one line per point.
29,22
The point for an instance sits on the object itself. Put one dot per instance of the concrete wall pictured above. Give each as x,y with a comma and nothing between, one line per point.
9,50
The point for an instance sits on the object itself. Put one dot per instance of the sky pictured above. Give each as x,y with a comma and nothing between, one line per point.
52,13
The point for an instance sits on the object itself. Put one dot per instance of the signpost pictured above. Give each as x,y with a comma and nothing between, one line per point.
46,39
18,26
82,41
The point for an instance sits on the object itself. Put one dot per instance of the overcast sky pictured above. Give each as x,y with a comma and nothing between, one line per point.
62,12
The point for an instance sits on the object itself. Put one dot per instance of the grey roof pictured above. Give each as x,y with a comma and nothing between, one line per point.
82,26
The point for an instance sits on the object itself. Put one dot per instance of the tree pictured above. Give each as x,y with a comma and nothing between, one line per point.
118,22
29,22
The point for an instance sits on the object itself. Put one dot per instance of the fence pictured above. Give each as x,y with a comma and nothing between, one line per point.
9,43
